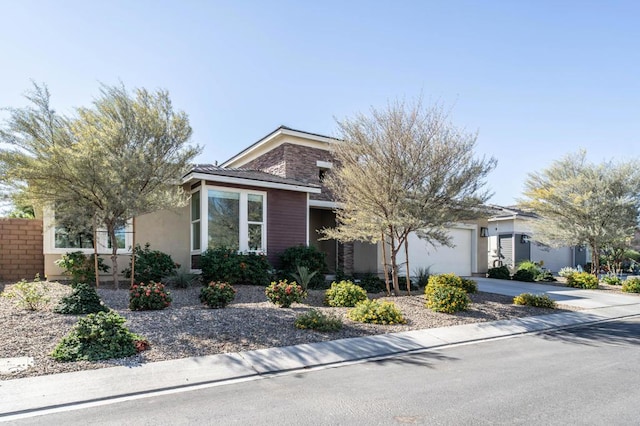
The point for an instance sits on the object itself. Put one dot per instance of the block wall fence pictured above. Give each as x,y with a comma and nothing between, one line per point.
20,249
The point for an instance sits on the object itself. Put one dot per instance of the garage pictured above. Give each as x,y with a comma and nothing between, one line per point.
442,259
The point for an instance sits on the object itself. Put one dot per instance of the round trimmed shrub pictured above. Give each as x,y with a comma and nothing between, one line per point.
83,300
525,275
284,293
375,312
535,300
316,320
148,297
582,280
631,285
468,285
447,299
217,294
151,265
499,273
612,279
99,336
344,293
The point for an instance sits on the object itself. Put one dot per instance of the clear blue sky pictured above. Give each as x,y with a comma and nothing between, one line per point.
536,79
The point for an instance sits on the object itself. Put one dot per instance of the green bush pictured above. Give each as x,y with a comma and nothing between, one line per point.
567,271
524,275
422,275
612,279
148,297
83,300
284,293
316,320
344,293
375,312
545,276
582,280
500,273
447,299
370,282
303,276
307,256
217,294
538,301
229,266
631,285
151,265
30,295
181,279
468,285
528,265
98,336
79,267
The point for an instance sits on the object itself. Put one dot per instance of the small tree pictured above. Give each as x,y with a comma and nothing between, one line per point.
581,203
118,159
400,170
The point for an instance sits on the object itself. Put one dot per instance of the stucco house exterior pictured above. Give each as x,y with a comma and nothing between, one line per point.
266,198
512,240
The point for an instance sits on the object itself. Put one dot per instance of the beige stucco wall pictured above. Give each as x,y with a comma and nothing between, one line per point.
54,273
167,231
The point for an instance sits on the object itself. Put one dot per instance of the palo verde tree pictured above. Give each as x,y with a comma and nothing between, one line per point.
582,203
119,158
404,169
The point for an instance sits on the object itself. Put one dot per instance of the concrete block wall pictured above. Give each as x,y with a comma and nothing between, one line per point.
21,254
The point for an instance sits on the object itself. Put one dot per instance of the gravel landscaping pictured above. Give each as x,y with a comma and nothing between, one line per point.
188,328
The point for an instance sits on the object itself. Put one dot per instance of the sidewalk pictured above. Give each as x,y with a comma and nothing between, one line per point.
21,396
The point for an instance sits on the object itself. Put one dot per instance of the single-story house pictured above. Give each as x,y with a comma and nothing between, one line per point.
512,240
264,199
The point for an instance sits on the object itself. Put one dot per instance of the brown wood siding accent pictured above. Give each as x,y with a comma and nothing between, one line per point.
286,222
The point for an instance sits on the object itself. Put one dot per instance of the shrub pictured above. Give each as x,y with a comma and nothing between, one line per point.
217,294
83,300
307,256
612,279
422,275
468,285
500,273
181,279
316,320
80,268
344,293
303,276
567,271
447,299
283,293
148,297
370,282
229,266
528,265
99,336
631,285
524,275
582,280
538,301
150,265
375,312
545,276
30,295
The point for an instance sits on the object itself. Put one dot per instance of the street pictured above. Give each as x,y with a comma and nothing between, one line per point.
584,375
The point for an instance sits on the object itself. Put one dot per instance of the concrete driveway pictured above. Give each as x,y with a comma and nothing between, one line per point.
586,299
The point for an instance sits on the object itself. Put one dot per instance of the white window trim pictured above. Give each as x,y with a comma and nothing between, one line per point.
102,240
203,211
244,219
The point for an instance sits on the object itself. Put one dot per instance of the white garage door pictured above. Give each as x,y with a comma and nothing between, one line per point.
441,259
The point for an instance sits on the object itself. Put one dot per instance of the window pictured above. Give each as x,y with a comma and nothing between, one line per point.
235,220
66,237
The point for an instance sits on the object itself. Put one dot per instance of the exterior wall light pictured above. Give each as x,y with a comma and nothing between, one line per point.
484,232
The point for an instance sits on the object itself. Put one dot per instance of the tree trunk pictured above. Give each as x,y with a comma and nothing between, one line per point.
406,255
133,252
595,259
394,264
384,265
111,230
95,252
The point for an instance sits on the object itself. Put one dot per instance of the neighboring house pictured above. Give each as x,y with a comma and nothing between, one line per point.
266,198
511,240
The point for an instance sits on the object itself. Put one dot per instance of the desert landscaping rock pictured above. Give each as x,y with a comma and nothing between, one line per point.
188,328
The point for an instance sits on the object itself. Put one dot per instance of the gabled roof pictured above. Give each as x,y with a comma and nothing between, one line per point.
273,140
247,177
500,212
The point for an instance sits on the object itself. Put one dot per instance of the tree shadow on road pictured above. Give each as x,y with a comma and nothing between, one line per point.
619,332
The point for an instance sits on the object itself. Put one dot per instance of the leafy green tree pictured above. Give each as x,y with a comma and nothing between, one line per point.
104,165
400,170
582,203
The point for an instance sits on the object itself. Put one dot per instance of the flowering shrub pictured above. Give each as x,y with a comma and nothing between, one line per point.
446,298
79,267
147,297
375,312
631,285
99,336
316,320
29,295
344,293
582,280
536,300
283,293
217,294
612,279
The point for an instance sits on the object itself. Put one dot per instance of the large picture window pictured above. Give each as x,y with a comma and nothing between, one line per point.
234,219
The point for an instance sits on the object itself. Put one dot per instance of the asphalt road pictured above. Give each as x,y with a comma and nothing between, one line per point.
587,375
